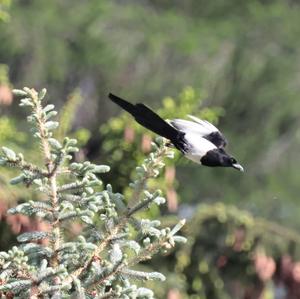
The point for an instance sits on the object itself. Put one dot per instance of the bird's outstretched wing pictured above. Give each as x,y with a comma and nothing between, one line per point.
202,128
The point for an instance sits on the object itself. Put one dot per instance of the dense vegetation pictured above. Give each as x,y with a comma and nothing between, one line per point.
97,259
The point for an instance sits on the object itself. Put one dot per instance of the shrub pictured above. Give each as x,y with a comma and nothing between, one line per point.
97,259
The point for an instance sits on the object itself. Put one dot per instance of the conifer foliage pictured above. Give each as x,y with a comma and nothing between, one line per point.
99,261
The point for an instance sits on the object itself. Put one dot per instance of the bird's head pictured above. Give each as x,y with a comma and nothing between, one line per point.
228,161
218,157
232,162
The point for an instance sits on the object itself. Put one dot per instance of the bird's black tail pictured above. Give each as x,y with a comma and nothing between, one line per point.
150,120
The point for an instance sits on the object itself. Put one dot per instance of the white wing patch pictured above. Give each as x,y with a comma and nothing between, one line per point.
197,126
204,123
190,126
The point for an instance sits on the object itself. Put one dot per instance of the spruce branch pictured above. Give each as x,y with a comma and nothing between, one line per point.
166,242
73,193
14,160
109,295
40,119
148,170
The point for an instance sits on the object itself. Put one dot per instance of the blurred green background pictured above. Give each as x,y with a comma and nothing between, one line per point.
235,63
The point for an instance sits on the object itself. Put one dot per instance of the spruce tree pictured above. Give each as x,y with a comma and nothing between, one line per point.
98,262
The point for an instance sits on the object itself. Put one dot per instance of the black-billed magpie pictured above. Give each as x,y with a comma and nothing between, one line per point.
198,140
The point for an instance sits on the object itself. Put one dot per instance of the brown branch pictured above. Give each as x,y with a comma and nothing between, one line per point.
146,254
123,221
22,165
51,168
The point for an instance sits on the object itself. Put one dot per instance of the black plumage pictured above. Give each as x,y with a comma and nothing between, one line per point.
198,140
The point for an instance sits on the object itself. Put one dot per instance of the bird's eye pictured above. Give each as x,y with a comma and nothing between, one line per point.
233,161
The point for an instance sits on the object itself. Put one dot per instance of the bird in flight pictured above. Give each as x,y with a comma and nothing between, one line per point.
198,140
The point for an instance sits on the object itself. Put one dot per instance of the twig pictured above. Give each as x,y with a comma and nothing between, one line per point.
52,169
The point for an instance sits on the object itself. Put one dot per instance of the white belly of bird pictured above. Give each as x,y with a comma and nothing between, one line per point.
198,147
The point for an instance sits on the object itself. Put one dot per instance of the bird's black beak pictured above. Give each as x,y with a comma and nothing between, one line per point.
238,167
